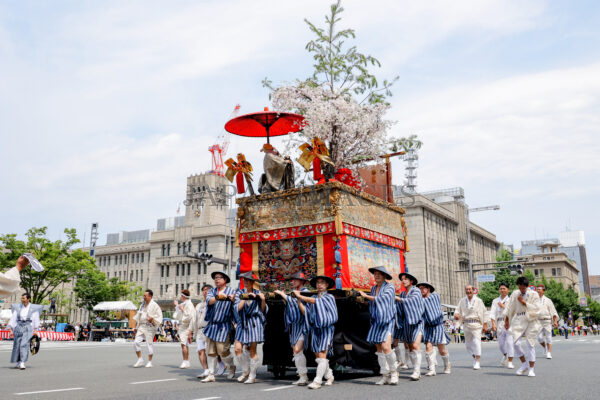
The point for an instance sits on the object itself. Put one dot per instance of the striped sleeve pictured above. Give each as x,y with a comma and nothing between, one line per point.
382,309
325,311
413,306
433,309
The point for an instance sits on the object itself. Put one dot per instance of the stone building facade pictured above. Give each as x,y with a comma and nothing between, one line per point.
159,260
555,265
437,236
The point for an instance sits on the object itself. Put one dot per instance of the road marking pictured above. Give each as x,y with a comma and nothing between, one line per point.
279,388
158,380
48,391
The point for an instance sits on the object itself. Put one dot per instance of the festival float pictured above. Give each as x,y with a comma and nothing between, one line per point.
336,227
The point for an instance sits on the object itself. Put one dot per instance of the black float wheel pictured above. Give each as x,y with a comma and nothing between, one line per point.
279,371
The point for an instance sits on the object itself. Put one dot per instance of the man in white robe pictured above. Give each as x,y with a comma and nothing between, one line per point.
185,314
498,314
11,279
471,314
147,320
548,319
522,317
199,325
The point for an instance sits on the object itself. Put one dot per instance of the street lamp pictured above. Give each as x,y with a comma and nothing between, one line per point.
468,225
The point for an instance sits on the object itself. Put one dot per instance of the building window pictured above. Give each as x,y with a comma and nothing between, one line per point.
168,267
119,275
536,272
166,289
199,269
553,271
142,257
176,288
198,288
169,249
164,250
188,286
177,270
136,275
178,248
162,271
189,269
161,290
226,245
141,274
204,265
205,245
138,257
199,246
559,271
190,246
131,276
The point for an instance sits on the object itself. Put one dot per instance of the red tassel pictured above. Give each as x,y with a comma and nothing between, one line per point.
317,174
239,180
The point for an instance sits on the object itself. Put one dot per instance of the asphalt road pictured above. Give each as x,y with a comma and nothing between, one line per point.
104,371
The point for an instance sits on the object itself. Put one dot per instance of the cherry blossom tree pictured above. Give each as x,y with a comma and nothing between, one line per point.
343,102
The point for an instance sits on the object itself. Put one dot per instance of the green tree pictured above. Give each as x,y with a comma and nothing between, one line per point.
93,287
564,300
62,263
488,291
340,68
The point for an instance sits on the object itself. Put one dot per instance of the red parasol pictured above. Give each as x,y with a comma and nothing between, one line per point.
266,123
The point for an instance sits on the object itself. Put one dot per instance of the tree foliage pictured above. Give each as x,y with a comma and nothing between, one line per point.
564,299
343,102
93,287
62,263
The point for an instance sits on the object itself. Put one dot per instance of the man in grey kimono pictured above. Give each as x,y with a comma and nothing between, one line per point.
279,171
24,321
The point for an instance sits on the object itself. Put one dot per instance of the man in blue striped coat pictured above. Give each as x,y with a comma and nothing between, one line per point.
295,325
434,333
250,328
411,312
219,315
383,319
321,316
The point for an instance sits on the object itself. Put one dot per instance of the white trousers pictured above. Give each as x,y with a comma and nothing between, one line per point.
529,352
140,336
506,342
473,341
545,335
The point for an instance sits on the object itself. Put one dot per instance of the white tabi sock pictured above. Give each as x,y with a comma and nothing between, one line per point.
391,361
212,364
300,361
383,366
322,367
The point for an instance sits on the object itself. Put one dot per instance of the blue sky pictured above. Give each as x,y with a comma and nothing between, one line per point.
106,107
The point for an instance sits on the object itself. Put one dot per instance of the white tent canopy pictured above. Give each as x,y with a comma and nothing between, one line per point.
115,306
5,314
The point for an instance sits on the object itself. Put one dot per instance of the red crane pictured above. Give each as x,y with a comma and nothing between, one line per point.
219,149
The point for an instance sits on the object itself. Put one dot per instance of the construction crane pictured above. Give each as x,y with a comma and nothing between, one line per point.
219,149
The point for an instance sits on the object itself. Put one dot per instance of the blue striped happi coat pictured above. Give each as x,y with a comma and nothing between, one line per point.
434,331
320,319
219,316
295,323
410,315
383,313
250,320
